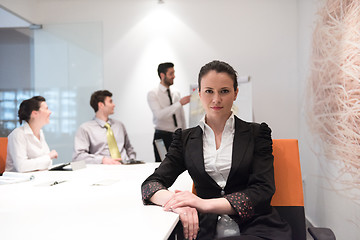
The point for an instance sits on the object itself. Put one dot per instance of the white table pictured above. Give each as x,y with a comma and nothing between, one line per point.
98,202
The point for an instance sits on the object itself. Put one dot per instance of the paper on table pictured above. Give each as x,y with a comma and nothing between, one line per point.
15,177
105,182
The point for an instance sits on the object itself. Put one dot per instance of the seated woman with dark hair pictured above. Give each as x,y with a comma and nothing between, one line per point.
231,164
27,149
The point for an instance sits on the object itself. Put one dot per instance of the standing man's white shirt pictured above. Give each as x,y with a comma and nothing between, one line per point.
25,152
158,101
166,106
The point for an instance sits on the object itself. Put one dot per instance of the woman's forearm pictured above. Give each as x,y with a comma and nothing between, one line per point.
217,206
161,197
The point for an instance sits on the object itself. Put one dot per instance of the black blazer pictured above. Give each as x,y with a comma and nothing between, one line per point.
249,187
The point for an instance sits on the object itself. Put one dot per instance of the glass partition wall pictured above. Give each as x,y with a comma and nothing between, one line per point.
62,63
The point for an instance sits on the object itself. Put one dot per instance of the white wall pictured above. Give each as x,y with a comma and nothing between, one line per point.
258,38
189,36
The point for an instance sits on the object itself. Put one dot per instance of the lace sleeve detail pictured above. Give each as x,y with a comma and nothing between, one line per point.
149,190
242,205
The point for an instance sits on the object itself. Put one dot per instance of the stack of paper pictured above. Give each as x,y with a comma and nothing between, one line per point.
15,177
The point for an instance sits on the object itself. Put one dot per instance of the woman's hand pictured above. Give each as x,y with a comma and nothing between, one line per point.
185,199
186,205
188,199
53,154
190,221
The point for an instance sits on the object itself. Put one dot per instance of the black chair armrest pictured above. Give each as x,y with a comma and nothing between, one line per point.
321,233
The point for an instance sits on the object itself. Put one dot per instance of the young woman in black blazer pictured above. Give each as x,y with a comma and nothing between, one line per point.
231,164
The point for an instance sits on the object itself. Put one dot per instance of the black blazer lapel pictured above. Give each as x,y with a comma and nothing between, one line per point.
195,146
240,145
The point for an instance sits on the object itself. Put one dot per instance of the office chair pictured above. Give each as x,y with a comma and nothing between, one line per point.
288,198
3,152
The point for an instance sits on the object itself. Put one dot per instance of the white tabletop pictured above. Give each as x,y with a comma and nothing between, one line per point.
98,202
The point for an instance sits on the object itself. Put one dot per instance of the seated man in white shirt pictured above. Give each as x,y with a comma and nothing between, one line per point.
91,140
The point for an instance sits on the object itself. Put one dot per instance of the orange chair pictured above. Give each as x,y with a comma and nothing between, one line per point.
288,198
3,151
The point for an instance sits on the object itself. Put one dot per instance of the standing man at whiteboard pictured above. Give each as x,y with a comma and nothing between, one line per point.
167,107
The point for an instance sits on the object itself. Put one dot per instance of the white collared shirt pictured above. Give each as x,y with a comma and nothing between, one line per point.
25,152
218,161
159,103
218,164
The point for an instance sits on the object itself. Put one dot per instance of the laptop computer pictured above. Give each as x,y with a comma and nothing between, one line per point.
131,161
59,167
160,146
70,166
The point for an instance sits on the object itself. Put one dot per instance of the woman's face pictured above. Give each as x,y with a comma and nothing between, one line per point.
217,94
43,114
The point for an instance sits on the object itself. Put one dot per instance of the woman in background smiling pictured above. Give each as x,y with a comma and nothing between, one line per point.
27,149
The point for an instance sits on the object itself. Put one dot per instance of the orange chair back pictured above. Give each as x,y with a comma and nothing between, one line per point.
288,199
3,152
287,170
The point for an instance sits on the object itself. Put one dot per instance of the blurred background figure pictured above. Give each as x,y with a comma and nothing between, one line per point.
27,149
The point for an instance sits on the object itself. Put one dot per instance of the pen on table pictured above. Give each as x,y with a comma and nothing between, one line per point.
57,182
